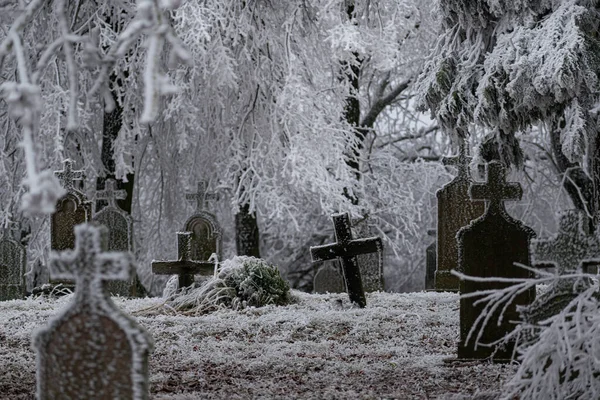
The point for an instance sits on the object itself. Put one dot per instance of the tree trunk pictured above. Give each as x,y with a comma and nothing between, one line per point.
247,235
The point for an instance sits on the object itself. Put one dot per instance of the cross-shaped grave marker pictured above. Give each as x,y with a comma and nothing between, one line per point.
201,196
111,194
496,190
67,176
183,266
346,249
460,162
92,350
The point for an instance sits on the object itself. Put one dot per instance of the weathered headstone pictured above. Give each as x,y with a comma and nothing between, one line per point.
91,350
568,251
184,266
371,264
346,249
455,210
13,261
489,247
328,279
120,232
206,231
71,209
430,261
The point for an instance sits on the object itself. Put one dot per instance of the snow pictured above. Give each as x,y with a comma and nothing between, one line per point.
319,347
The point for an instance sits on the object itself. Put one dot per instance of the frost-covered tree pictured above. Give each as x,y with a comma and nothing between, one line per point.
506,66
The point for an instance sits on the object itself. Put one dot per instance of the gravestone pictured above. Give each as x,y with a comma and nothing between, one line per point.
13,261
72,209
370,264
206,232
120,232
489,247
91,350
328,279
430,261
569,250
184,266
346,249
455,210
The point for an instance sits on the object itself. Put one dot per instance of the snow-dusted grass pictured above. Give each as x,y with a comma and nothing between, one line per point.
319,347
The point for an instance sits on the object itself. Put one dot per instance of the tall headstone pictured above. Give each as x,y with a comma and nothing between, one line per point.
370,264
346,249
72,209
184,266
430,261
489,247
120,232
455,210
328,279
206,232
569,250
91,350
13,261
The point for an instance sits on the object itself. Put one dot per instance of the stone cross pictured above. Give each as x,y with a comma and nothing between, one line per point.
111,194
92,350
346,249
183,266
68,175
454,210
201,196
489,247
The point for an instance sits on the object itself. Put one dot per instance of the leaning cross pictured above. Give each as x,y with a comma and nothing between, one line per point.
496,190
67,175
201,196
460,162
183,266
346,250
570,248
111,194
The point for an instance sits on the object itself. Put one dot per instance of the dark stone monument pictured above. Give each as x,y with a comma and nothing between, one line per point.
206,231
370,264
489,247
72,209
91,350
430,262
328,279
455,210
120,233
13,261
569,251
346,249
184,266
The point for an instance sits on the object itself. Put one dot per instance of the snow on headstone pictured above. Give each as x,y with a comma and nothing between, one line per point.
328,280
120,232
455,210
370,264
206,232
184,267
489,247
91,350
569,250
13,260
430,261
346,249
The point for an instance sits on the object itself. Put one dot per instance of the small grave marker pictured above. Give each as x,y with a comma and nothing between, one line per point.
201,196
346,249
13,261
206,231
430,261
184,266
489,247
455,210
91,350
370,264
328,280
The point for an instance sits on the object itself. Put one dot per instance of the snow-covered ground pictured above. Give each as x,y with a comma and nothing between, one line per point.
317,348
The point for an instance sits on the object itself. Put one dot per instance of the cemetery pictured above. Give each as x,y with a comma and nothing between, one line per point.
305,199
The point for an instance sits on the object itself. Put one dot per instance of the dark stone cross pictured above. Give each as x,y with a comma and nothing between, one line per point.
91,349
346,249
201,196
183,266
67,176
489,247
111,194
460,162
